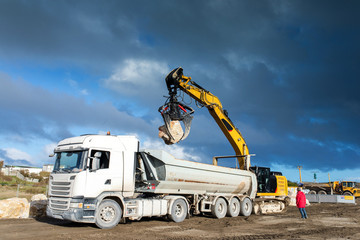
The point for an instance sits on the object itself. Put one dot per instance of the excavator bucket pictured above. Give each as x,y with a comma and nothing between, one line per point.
175,115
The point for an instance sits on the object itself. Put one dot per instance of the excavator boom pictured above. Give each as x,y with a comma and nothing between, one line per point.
272,188
176,111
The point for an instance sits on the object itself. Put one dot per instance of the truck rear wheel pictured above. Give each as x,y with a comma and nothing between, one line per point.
347,193
322,192
219,209
179,210
246,207
233,209
108,214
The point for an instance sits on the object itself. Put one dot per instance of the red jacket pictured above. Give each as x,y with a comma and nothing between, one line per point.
300,200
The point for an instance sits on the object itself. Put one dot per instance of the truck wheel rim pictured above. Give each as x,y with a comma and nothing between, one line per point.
220,208
234,207
107,214
178,210
246,207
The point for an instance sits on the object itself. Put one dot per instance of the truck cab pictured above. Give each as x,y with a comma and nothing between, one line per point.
350,188
87,170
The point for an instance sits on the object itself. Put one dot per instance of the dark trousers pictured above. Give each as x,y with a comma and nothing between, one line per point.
303,213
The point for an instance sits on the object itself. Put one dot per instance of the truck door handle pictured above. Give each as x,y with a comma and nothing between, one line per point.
108,182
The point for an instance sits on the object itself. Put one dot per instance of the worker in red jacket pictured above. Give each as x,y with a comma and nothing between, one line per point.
301,202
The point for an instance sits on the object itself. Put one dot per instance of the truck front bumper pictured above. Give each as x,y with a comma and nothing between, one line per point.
72,214
74,209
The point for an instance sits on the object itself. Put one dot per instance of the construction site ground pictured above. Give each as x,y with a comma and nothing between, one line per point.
326,221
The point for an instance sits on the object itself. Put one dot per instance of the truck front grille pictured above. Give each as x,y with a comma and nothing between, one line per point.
60,189
59,204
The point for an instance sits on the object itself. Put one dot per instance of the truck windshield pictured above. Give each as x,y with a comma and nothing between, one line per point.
69,161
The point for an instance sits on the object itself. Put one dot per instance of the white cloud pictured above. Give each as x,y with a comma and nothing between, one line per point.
177,151
49,148
17,154
84,92
133,76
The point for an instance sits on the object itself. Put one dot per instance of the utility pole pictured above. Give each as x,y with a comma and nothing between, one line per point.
300,167
315,176
331,185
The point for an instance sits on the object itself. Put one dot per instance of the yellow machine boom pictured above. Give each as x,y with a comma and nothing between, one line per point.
273,186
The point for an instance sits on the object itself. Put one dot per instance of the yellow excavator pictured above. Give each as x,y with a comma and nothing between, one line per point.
272,186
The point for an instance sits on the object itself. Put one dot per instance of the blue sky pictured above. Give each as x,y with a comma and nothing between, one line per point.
286,71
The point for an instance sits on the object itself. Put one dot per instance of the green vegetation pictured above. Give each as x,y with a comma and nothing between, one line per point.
292,184
9,187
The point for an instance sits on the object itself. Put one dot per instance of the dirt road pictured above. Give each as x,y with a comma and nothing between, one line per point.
326,221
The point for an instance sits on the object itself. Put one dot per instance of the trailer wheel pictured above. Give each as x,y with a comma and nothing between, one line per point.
312,192
179,210
233,209
246,207
219,209
322,192
108,214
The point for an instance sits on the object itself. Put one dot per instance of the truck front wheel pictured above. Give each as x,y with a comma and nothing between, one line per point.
179,210
347,193
108,214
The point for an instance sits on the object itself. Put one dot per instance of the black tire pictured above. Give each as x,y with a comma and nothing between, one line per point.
312,192
219,209
322,192
233,209
179,210
108,214
347,193
246,207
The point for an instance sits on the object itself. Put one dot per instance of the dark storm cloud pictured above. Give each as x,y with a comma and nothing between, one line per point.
287,71
28,110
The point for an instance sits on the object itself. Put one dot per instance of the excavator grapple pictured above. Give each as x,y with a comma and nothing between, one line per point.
176,114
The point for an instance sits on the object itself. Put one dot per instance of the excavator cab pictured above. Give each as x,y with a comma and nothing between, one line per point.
177,115
266,179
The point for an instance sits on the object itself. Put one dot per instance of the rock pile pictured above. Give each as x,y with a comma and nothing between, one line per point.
21,208
38,206
292,194
14,208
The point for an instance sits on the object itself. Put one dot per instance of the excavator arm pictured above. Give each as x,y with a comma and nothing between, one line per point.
272,188
174,111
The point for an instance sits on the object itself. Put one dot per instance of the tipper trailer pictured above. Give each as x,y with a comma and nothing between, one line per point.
106,179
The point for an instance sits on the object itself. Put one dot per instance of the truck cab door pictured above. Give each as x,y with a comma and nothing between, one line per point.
100,175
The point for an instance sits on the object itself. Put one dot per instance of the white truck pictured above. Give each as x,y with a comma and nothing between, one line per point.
106,179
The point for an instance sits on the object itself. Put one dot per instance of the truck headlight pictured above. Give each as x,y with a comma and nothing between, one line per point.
76,205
